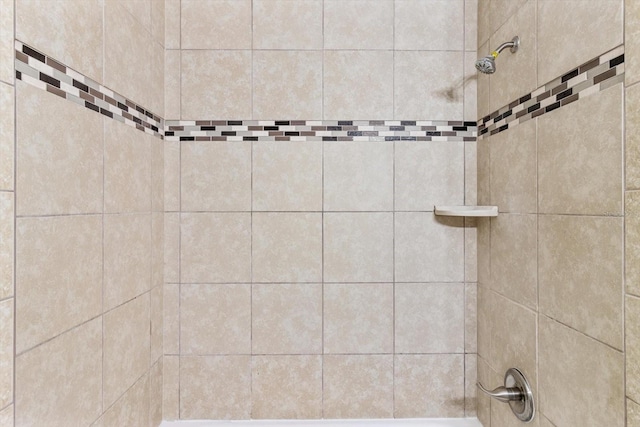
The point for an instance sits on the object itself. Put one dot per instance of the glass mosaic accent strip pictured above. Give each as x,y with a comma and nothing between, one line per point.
589,78
44,72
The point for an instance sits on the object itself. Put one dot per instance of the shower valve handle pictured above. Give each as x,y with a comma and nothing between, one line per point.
517,393
503,394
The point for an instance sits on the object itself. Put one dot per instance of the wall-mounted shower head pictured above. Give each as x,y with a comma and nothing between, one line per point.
487,65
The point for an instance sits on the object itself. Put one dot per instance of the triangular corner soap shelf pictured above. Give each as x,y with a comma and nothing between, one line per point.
475,211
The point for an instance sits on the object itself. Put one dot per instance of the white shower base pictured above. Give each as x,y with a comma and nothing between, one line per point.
416,422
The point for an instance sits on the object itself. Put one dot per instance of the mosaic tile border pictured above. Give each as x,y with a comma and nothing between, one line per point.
44,72
589,78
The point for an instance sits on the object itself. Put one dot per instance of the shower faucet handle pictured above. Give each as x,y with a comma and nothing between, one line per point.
516,392
503,394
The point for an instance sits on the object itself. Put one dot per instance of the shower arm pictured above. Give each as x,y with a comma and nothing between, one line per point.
513,44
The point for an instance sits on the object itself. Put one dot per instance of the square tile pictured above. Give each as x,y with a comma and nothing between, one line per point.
429,25
7,241
633,414
303,29
6,352
471,318
632,242
358,24
171,176
470,387
132,408
171,388
171,318
172,84
631,43
632,346
632,136
171,240
7,34
172,24
7,134
156,326
216,24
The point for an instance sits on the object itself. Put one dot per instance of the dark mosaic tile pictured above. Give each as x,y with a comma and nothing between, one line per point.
607,74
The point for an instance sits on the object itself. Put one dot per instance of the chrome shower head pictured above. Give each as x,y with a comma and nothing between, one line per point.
487,65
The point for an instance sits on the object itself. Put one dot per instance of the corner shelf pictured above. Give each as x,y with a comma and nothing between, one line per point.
475,211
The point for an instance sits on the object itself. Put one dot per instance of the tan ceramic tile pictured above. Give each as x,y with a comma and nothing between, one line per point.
157,249
484,171
172,247
172,24
215,319
581,274
215,247
502,11
157,175
158,21
358,176
171,318
429,386
59,155
216,24
37,20
484,21
58,275
127,257
428,248
6,41
127,168
287,176
517,72
59,383
513,257
6,417
567,396
6,352
358,318
155,394
358,24
287,84
428,174
470,318
287,247
633,414
7,132
470,387
156,327
544,421
171,388
632,341
429,25
513,169
470,249
139,9
155,85
286,387
470,25
579,159
470,86
126,347
485,305
471,172
6,244
286,319
210,79
303,29
216,176
358,386
347,94
436,76
358,247
483,80
632,41
215,387
485,376
171,176
171,84
586,32
632,242
484,251
632,141
429,318
132,409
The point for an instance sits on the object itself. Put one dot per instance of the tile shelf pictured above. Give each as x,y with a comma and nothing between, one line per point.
475,211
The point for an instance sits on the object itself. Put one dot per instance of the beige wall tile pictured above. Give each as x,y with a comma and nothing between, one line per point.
483,92
358,247
485,305
633,414
470,86
581,274
209,79
470,387
59,155
77,24
215,247
157,174
215,387
216,24
567,396
126,347
215,319
127,168
172,84
139,9
7,135
485,376
632,140
59,383
358,386
517,72
131,409
6,352
429,25
171,176
586,29
470,249
172,24
632,242
484,21
484,171
158,21
632,341
514,258
357,84
429,318
436,76
429,386
127,257
171,318
171,247
580,159
470,317
632,41
358,176
484,251
286,319
155,394
502,11
287,84
156,78
58,275
286,387
513,169
428,174
157,249
428,249
6,417
156,328
216,176
470,25
171,388
303,29
358,318
6,41
287,176
6,244
358,24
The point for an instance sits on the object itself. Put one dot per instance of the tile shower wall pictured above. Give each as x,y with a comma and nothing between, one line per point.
551,266
308,277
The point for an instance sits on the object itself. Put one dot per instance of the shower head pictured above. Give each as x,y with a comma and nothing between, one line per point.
487,65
